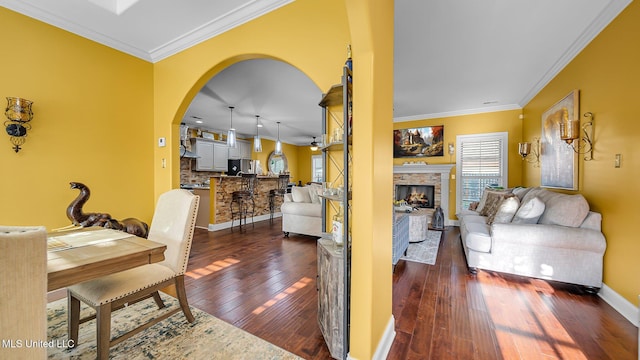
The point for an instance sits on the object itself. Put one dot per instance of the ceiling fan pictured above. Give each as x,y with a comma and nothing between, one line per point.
314,145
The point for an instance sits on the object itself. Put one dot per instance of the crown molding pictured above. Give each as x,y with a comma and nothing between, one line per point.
215,27
238,16
483,110
601,21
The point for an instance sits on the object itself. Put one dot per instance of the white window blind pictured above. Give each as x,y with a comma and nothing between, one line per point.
481,161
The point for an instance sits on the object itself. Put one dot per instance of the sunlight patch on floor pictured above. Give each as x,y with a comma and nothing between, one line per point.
211,268
288,291
535,331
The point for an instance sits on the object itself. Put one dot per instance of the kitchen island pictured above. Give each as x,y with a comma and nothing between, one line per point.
221,188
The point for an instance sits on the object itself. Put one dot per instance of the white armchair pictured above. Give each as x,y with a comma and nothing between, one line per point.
302,211
173,224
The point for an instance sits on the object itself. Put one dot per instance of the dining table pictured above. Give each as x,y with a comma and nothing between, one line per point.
81,254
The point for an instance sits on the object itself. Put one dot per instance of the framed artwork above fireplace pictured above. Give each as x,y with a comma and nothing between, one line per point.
418,142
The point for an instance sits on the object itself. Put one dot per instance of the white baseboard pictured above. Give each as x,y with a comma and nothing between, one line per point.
620,304
382,350
226,225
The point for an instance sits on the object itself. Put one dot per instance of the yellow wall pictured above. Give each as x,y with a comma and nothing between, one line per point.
607,74
371,27
304,163
501,121
93,115
312,36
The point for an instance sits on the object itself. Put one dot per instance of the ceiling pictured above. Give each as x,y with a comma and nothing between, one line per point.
451,57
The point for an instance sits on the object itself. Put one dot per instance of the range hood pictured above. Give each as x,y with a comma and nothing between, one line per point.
184,153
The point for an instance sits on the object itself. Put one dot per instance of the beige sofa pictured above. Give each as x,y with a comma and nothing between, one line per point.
535,232
302,211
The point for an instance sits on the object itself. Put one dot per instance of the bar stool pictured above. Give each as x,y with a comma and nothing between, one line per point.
283,181
244,198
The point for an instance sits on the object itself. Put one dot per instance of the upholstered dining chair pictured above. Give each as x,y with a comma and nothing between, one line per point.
172,224
23,300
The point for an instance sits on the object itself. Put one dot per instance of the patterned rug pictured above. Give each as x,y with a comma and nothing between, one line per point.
173,338
425,251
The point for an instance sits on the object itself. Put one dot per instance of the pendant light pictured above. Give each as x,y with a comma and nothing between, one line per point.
257,142
231,134
278,150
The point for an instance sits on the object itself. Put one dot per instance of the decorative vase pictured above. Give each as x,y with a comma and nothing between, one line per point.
438,219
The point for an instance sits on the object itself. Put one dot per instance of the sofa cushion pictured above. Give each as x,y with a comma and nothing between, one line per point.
565,210
300,194
507,209
529,211
301,209
478,237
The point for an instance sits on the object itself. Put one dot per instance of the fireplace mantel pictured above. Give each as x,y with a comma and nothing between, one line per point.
443,169
423,168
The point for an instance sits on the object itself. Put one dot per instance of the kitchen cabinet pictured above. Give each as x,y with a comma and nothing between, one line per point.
242,151
202,219
331,295
212,154
220,156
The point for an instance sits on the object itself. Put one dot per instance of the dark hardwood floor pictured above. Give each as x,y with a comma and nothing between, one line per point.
265,284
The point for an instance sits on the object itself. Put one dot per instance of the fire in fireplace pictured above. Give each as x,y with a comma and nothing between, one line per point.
420,196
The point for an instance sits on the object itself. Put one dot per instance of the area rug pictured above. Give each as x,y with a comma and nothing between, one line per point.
173,338
425,251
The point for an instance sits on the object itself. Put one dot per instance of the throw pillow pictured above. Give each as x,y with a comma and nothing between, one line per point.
492,202
565,210
300,194
473,206
529,212
485,195
520,192
507,209
315,190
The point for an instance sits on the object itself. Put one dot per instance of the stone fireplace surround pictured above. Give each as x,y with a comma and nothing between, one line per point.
436,175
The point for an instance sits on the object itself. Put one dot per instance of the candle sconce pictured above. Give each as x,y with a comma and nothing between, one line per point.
525,149
19,113
570,131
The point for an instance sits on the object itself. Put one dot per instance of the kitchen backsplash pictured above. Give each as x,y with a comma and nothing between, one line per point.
193,177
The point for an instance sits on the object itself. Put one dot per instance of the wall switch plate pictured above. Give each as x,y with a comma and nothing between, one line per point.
617,162
162,142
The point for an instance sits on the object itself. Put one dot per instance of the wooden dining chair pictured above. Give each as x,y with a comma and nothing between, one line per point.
173,224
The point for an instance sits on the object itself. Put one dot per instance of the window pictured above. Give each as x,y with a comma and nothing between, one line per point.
481,160
316,168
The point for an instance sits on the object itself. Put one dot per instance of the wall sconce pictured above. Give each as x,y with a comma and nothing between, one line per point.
452,150
525,149
19,114
570,131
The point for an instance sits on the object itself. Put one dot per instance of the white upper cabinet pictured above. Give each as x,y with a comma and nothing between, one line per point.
242,151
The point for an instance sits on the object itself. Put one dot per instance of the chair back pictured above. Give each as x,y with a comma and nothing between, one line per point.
249,183
283,181
173,223
23,300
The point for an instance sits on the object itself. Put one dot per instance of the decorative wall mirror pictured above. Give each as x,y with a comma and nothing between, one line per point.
277,163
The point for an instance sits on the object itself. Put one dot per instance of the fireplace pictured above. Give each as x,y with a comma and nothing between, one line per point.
419,196
435,176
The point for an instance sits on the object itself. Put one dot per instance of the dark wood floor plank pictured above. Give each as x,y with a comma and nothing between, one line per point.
266,284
